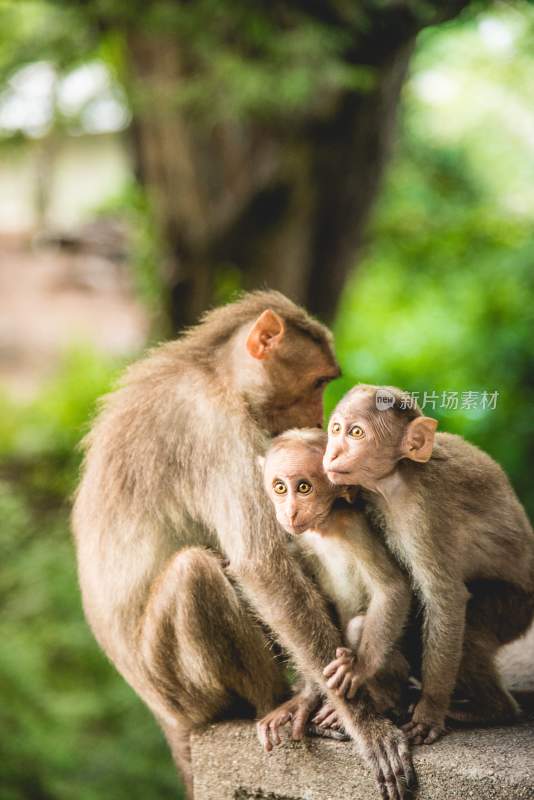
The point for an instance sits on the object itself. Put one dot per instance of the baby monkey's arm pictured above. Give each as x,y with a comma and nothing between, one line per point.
371,637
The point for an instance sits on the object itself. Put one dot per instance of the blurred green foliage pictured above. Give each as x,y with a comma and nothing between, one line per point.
442,300
69,726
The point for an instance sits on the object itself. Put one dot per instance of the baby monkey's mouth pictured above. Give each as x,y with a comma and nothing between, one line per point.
334,475
299,528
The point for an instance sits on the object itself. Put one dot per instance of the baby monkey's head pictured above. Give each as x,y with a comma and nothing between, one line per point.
371,429
295,481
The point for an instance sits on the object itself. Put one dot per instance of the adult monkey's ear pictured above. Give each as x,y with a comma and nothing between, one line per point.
419,439
265,335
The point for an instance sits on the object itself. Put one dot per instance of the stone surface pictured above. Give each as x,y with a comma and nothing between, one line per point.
483,764
479,763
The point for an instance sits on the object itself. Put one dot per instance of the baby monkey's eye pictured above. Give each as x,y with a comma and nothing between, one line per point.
335,427
356,432
279,487
304,487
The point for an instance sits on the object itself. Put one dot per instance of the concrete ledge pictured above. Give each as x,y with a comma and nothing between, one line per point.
477,764
483,764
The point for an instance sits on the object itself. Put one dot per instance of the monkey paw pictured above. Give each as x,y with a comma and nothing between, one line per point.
387,752
342,676
424,728
296,711
327,717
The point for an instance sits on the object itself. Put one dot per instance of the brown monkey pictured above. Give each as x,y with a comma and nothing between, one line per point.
355,571
170,487
451,517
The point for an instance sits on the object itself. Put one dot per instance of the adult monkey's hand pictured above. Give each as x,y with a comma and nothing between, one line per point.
170,475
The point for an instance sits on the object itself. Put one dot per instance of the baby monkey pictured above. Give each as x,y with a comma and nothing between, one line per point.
451,517
355,571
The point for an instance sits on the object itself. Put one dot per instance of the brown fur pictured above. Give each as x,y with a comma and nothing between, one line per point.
169,487
453,520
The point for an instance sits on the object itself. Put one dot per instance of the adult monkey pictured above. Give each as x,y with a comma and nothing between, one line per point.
171,484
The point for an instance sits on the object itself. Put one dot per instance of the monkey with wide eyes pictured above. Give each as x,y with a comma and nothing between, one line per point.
451,517
169,491
355,571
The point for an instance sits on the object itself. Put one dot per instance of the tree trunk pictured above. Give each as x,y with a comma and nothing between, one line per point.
280,205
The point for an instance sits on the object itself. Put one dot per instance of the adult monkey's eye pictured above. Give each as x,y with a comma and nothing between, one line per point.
279,487
356,432
335,427
304,487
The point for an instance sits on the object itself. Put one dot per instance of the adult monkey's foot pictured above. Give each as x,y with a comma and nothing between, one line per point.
295,711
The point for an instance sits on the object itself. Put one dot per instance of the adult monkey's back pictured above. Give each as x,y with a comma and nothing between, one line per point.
170,485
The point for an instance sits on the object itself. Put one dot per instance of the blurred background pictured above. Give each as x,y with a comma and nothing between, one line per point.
373,160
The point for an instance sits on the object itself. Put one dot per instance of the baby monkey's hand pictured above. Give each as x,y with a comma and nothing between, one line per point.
344,677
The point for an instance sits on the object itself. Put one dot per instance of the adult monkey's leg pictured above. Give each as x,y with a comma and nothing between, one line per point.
497,614
204,654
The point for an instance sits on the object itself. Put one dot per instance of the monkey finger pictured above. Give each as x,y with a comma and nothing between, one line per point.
387,775
274,733
397,765
326,723
344,686
407,765
355,683
408,726
344,652
417,732
334,665
322,714
433,735
336,679
279,721
380,780
263,736
298,724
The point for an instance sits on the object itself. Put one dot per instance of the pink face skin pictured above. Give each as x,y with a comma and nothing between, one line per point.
365,443
295,482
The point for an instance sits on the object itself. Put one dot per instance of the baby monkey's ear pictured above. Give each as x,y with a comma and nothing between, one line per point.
260,461
349,493
419,439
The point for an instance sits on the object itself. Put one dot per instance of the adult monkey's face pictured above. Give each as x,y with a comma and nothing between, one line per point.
285,372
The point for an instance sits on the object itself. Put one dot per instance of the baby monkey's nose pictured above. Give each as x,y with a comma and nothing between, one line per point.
329,459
